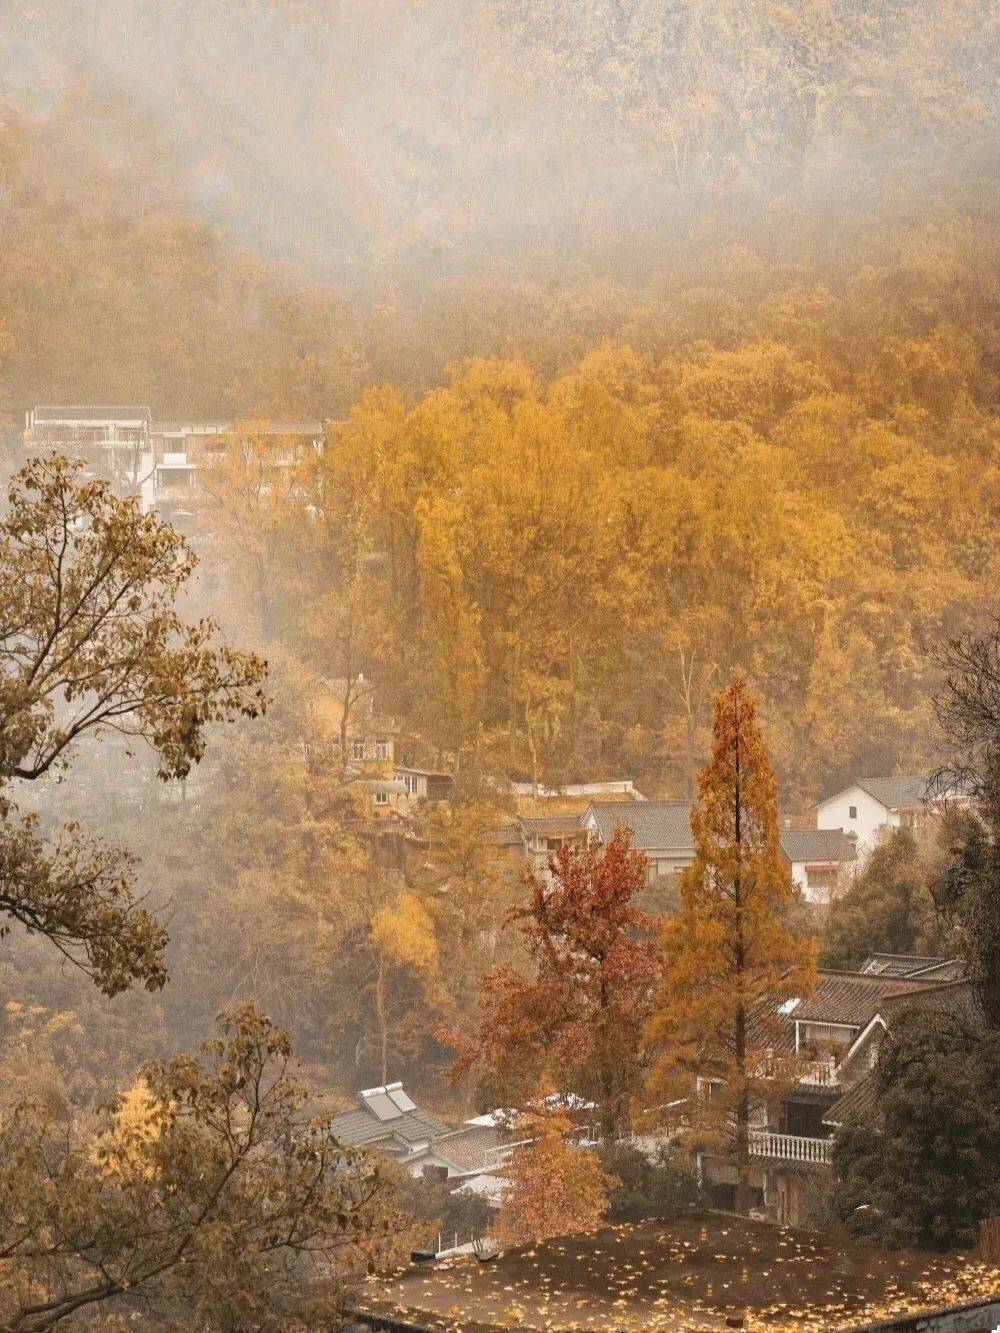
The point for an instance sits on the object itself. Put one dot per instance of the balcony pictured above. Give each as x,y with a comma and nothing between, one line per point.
789,1148
820,1074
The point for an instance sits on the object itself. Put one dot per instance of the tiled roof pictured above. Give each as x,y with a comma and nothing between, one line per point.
950,969
900,964
857,1101
475,1147
359,1128
896,793
817,844
957,998
507,835
554,826
657,825
850,998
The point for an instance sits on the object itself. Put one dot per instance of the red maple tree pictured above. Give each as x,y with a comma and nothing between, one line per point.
578,1021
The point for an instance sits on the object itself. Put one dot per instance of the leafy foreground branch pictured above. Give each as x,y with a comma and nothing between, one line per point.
89,643
208,1194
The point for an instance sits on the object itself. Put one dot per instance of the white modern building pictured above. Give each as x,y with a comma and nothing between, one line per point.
113,440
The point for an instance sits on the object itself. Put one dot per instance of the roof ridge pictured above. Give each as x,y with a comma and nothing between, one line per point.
864,976
651,800
924,957
927,987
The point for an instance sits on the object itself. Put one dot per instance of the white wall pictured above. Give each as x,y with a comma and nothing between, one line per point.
801,878
870,819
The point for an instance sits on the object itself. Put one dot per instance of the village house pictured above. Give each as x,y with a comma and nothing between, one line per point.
543,835
662,829
183,449
387,1119
870,808
819,860
833,1037
348,720
115,441
424,784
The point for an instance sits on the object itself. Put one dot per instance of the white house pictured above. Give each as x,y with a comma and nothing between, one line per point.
818,857
871,806
115,440
619,789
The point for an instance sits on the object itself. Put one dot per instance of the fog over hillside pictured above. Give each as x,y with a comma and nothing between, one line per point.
348,136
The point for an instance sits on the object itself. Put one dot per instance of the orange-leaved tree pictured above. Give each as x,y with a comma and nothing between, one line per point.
731,957
579,1021
553,1186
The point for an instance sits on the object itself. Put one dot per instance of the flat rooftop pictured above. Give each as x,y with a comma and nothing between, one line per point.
690,1274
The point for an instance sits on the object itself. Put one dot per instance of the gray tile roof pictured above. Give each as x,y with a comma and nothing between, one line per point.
896,793
817,844
851,998
475,1147
554,826
899,964
950,969
360,1128
957,998
657,825
857,1101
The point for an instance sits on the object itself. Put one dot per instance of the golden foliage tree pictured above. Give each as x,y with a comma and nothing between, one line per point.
554,1188
731,957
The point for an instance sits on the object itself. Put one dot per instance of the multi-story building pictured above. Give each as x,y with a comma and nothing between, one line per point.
161,461
114,441
833,1037
183,450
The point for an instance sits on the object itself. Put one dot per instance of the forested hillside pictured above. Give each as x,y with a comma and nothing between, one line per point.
655,340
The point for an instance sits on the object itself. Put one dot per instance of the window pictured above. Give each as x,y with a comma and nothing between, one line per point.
174,478
410,783
357,749
852,812
381,798
713,1090
381,749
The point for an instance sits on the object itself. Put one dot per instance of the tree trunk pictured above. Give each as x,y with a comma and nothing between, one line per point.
382,1023
608,1118
742,1143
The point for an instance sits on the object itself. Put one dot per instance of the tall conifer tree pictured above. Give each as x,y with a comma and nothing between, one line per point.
730,955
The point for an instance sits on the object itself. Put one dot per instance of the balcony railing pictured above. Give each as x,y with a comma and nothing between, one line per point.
820,1074
789,1147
